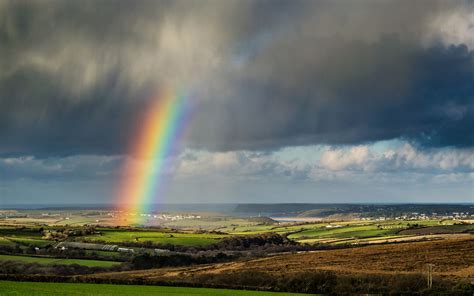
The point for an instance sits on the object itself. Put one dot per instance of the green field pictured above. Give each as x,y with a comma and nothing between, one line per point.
43,289
45,260
184,239
6,242
280,229
10,231
354,232
41,243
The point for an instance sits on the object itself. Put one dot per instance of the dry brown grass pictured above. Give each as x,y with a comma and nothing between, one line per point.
453,258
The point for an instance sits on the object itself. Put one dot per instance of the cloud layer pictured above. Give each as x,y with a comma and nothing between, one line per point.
313,174
362,159
75,77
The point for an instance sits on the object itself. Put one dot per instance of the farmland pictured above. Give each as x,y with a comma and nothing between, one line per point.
46,289
336,232
348,232
160,237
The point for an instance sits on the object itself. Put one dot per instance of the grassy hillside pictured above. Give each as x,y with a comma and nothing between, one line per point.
43,289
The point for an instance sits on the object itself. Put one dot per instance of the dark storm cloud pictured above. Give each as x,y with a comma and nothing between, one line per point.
75,76
358,92
48,123
70,168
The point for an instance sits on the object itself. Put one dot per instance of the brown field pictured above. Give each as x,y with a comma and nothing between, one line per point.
453,258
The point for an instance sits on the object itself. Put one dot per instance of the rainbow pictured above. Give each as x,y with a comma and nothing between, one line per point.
160,131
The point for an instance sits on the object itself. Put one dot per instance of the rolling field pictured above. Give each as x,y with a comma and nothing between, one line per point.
8,288
356,231
48,261
321,226
283,229
349,231
184,239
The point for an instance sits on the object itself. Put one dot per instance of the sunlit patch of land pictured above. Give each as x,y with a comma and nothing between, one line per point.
154,236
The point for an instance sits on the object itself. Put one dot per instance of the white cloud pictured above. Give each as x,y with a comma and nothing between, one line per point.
239,164
404,158
358,164
455,26
338,159
408,157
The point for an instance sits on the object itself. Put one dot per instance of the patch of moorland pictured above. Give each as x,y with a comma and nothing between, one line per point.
370,269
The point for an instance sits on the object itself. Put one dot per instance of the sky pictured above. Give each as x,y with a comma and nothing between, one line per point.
293,101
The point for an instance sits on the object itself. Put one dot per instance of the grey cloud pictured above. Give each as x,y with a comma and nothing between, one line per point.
357,92
75,76
239,164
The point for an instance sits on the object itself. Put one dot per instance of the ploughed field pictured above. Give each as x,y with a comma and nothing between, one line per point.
48,289
453,258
